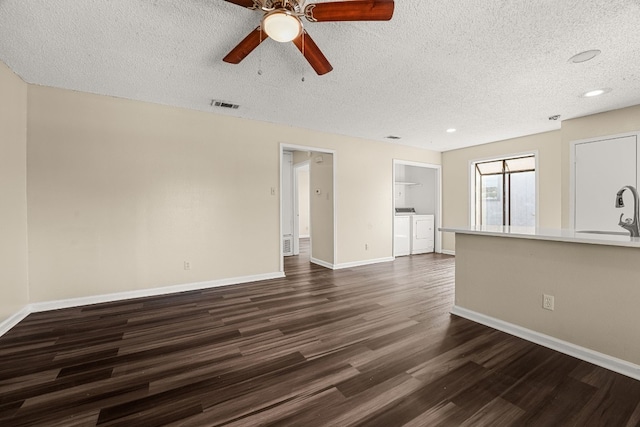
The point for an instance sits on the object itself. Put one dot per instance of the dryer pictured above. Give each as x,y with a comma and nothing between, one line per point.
422,234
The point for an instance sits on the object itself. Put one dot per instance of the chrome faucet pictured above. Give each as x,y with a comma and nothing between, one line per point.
631,225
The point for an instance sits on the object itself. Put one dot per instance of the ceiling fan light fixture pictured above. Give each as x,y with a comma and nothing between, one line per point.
281,26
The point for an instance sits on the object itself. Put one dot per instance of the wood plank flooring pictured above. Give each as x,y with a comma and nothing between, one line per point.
367,346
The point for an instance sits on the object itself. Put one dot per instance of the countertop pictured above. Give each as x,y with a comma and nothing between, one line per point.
550,234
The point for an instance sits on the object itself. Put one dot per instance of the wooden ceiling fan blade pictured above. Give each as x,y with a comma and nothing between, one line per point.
364,10
249,4
312,53
245,47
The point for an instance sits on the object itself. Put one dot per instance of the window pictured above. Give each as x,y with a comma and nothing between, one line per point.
505,191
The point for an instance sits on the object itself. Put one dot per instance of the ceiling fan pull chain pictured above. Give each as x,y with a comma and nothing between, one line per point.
303,34
260,55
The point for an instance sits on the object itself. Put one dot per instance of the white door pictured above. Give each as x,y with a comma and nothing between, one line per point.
287,203
301,204
601,169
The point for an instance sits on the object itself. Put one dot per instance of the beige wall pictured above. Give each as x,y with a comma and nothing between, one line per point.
121,193
554,166
14,285
603,124
321,207
595,288
300,156
456,179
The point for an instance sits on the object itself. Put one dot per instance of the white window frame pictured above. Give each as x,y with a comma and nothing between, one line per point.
472,181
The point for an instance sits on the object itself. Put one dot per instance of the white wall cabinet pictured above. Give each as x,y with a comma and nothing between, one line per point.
601,168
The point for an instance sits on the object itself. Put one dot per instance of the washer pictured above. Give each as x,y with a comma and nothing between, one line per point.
402,231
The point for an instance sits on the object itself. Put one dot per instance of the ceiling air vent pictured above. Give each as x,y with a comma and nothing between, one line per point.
223,104
392,137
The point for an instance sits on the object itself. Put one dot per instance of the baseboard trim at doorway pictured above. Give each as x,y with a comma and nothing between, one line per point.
362,263
322,263
14,319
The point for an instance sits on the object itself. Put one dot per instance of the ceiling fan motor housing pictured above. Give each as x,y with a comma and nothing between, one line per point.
291,5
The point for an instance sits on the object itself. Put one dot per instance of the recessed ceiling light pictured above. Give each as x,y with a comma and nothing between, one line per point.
596,92
392,137
585,56
451,130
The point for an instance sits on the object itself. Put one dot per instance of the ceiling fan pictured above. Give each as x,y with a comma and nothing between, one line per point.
282,22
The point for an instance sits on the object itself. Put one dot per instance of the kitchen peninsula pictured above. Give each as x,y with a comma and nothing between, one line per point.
502,274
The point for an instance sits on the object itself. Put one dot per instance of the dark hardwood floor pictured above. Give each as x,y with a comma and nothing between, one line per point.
371,345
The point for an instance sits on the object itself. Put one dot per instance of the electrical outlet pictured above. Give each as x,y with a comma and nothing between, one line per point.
366,246
187,265
547,302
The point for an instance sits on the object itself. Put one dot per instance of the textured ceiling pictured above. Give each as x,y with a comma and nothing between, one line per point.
493,69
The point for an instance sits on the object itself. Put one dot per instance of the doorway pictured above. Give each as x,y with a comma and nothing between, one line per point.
416,186
307,204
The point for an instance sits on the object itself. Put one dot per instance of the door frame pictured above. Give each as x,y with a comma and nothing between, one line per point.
294,147
438,207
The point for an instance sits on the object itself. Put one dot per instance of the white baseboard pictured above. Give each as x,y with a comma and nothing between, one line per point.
14,319
322,263
9,323
361,263
96,299
608,362
448,252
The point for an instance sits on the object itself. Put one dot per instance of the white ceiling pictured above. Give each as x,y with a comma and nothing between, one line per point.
493,69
